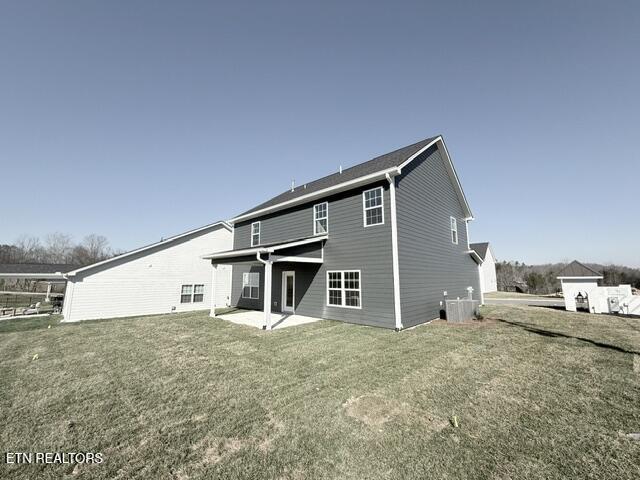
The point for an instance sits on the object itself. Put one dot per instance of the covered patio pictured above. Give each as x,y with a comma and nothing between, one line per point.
290,264
255,318
51,274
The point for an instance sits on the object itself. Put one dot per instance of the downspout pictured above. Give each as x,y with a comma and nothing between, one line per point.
394,249
214,279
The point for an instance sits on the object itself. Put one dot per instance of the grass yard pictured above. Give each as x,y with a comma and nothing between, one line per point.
537,393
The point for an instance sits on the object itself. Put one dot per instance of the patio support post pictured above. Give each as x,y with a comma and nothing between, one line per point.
266,300
214,273
267,293
47,298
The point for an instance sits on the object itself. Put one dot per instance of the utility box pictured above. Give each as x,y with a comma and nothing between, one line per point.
461,310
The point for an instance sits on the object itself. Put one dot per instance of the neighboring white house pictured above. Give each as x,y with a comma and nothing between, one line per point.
168,276
487,269
582,292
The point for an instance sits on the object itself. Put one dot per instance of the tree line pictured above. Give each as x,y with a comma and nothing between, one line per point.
541,279
57,248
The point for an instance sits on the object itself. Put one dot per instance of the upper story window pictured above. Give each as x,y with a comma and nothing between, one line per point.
454,230
255,234
373,205
320,218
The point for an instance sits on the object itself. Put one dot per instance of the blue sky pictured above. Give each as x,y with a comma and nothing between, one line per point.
138,120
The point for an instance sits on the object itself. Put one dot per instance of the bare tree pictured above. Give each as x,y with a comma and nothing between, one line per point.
29,249
97,247
94,248
58,247
9,254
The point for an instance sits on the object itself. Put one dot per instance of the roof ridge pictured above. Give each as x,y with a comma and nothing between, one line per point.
380,162
581,270
360,164
585,266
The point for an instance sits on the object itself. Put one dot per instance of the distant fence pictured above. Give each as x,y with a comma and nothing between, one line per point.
461,310
14,301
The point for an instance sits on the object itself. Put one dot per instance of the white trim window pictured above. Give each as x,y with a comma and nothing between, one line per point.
251,285
344,289
198,293
192,293
454,230
373,206
255,234
321,218
186,293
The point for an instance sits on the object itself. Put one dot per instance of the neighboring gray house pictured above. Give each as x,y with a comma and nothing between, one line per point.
381,243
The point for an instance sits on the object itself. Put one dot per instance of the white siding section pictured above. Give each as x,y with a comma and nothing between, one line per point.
150,282
571,288
599,297
488,272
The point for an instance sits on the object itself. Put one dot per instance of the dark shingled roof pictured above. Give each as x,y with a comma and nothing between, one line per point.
37,268
480,249
383,162
272,244
577,269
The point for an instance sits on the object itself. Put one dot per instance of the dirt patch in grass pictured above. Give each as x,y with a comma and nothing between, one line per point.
239,348
201,417
227,446
274,428
374,410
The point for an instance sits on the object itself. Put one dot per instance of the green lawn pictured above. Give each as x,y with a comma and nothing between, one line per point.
537,393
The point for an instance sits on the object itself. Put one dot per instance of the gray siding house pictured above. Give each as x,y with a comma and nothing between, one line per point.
381,243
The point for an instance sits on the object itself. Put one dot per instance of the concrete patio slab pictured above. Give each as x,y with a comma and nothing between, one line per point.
255,318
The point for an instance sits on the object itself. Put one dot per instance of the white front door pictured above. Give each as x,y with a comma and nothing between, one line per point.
288,291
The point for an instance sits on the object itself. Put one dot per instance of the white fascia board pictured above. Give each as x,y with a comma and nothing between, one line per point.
415,155
306,241
165,242
450,169
356,182
277,258
38,276
235,253
490,252
475,256
271,249
454,175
